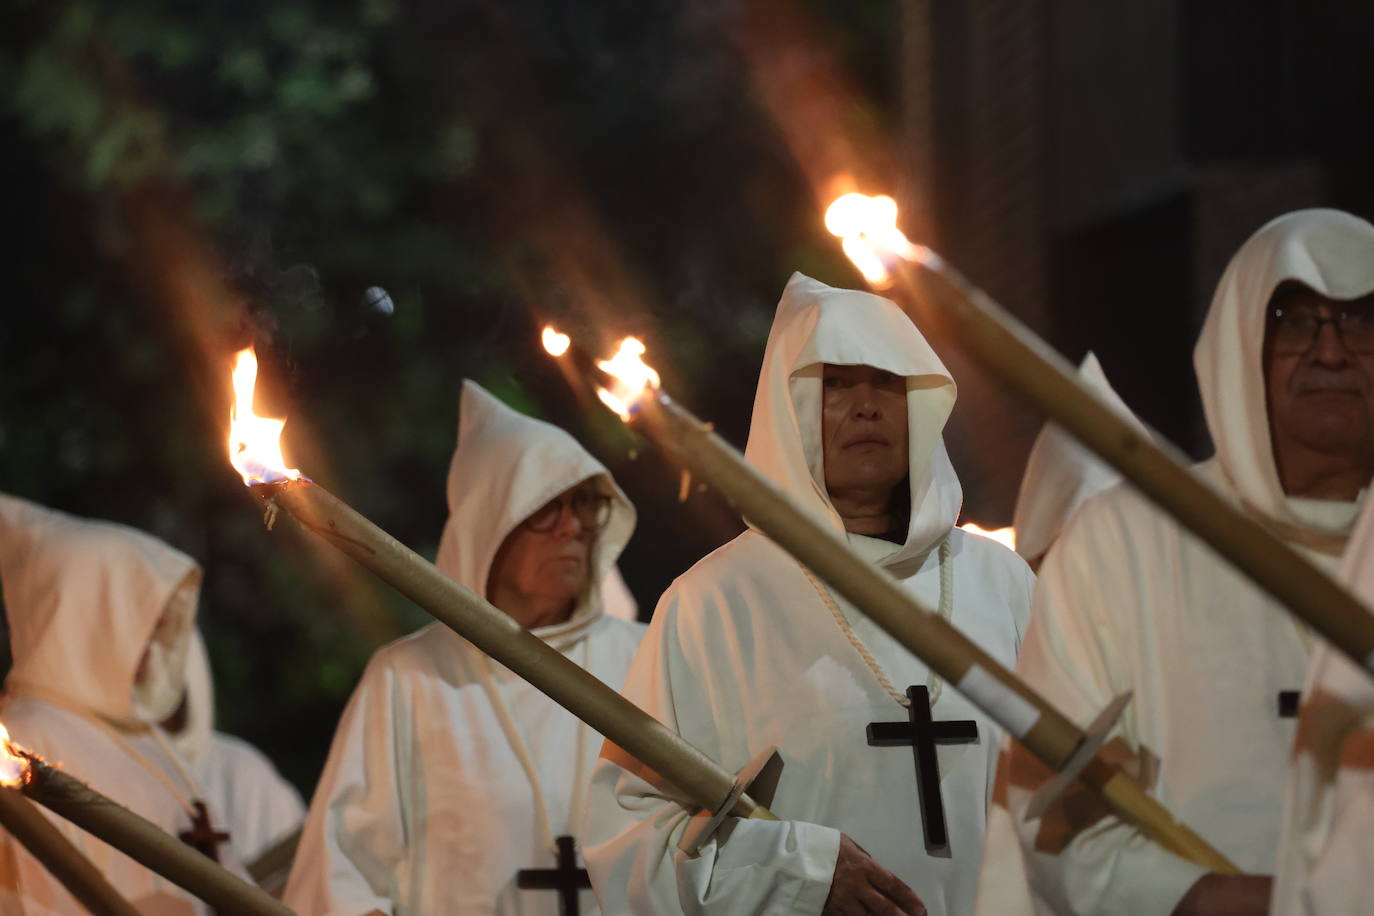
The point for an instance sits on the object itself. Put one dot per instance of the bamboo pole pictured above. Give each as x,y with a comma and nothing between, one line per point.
1039,373
145,842
56,853
634,731
1013,704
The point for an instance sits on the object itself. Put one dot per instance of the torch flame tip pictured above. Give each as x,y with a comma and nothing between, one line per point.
633,378
254,441
867,226
15,763
555,341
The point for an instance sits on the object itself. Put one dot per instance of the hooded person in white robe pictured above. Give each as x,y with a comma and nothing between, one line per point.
1325,859
1061,473
259,807
100,618
746,651
1129,600
449,774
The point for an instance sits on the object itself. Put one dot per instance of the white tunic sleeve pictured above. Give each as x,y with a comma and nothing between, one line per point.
353,846
633,828
1074,655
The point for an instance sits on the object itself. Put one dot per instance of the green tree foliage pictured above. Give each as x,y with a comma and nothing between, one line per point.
488,166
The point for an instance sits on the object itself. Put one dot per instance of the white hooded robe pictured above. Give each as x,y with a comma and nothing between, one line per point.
1129,600
1325,860
423,806
742,655
258,806
83,598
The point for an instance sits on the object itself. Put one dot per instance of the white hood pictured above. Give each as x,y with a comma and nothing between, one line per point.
1061,473
83,598
195,736
1330,251
506,466
817,324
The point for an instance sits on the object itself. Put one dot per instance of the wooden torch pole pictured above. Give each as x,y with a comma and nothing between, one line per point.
1035,370
698,777
57,854
1013,704
145,842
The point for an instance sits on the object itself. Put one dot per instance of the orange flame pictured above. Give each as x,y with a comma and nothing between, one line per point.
13,766
633,377
1004,536
555,341
868,229
254,441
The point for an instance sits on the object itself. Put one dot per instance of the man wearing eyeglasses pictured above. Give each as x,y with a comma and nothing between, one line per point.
453,786
1128,600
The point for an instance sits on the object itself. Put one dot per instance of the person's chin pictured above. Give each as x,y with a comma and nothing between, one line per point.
1335,427
568,577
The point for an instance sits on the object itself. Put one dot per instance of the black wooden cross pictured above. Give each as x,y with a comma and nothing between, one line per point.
202,837
1288,704
923,733
567,878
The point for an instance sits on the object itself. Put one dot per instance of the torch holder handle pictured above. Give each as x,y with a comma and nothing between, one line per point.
762,772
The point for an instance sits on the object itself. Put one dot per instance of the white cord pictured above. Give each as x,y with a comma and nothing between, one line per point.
934,683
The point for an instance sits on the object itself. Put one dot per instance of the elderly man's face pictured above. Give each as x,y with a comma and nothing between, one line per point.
1319,380
863,429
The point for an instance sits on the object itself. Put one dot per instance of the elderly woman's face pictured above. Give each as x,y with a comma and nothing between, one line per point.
863,428
547,558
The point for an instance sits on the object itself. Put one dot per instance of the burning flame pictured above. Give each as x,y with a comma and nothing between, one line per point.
555,341
1003,536
254,441
633,377
868,229
13,766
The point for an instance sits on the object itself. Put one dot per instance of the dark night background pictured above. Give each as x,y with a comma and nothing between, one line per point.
181,178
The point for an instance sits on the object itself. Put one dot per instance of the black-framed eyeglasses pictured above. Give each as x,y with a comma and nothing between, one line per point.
591,509
1293,329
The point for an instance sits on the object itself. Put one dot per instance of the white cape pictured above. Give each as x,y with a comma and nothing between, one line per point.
82,598
742,654
1325,859
424,806
1127,600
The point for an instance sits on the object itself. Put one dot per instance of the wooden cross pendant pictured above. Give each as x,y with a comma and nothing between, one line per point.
923,734
202,837
1288,704
567,878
